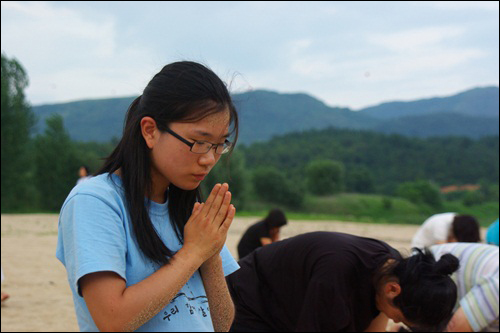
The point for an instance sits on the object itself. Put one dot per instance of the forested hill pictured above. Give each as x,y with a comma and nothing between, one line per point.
264,114
388,159
90,120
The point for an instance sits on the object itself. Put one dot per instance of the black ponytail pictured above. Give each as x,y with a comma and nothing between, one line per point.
428,294
447,265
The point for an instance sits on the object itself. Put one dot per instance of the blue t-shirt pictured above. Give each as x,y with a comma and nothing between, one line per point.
95,235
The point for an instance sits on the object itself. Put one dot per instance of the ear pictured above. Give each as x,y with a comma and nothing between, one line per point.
149,131
392,290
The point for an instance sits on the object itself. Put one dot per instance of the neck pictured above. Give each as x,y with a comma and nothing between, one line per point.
159,188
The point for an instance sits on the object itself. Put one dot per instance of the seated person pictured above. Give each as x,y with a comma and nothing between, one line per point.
447,228
477,281
262,233
492,234
331,282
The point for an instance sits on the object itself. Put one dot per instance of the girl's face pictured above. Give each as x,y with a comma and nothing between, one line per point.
172,160
385,303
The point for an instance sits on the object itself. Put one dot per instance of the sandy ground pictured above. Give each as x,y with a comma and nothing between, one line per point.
36,281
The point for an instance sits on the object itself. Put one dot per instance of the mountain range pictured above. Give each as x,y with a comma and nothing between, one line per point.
264,114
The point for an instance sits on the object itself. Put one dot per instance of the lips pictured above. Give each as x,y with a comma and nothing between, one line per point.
200,176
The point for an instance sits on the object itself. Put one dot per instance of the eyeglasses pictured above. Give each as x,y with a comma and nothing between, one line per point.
203,147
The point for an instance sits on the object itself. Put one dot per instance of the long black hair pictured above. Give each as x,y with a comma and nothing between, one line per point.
428,294
181,92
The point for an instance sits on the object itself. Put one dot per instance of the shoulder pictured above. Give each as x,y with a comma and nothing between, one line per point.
256,227
440,218
466,251
105,188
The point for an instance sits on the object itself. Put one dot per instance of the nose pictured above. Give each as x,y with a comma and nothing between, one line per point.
209,158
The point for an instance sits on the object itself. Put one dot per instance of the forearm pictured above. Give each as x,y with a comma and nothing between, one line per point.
156,292
221,305
133,306
459,322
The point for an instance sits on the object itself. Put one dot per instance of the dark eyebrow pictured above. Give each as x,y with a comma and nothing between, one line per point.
208,135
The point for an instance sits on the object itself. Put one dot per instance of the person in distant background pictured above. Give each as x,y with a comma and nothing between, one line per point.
84,174
447,228
5,296
492,234
262,233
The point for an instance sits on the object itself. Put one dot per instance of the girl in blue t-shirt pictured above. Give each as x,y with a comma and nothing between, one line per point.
141,250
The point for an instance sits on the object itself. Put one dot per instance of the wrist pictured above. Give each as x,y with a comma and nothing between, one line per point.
189,256
214,260
211,266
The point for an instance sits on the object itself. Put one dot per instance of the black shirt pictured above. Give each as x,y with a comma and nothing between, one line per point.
250,241
321,281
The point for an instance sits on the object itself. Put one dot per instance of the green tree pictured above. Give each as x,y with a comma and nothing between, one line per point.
325,177
272,186
359,180
490,191
231,170
17,121
56,164
472,198
421,192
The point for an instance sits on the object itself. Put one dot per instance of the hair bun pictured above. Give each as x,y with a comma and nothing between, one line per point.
447,265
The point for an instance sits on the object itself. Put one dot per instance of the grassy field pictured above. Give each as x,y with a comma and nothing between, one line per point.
372,208
355,207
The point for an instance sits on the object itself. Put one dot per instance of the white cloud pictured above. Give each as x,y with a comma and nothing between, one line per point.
462,5
55,29
413,52
69,54
402,55
415,39
341,52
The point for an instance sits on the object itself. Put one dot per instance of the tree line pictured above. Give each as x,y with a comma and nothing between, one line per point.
38,172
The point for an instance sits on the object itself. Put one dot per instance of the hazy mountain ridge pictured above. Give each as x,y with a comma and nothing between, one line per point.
481,102
264,114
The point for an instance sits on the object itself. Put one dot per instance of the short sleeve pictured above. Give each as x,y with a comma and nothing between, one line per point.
92,238
480,304
229,265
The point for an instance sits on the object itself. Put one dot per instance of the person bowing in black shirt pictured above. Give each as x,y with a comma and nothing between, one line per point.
331,282
262,233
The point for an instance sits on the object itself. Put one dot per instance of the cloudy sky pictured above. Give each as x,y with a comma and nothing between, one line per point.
352,54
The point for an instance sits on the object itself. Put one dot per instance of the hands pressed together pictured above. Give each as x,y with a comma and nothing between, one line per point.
206,230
